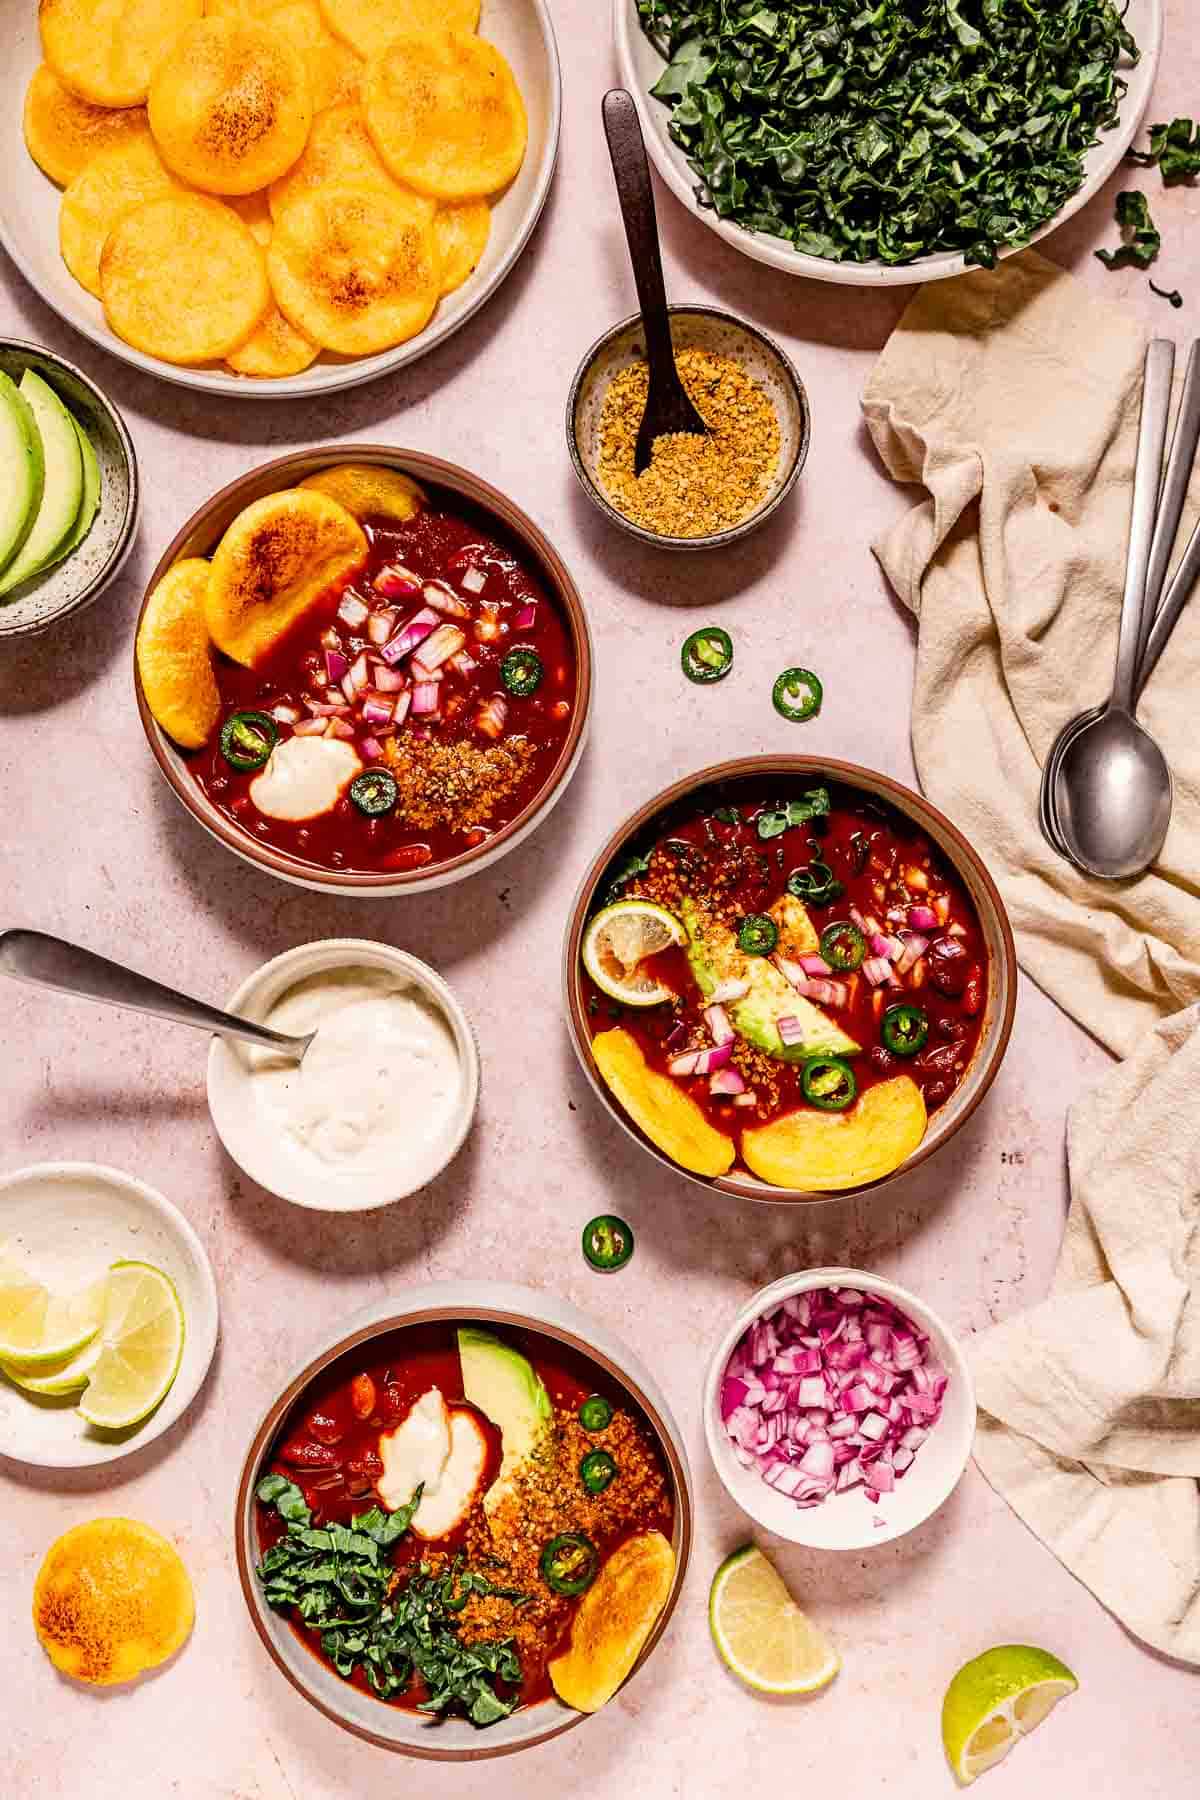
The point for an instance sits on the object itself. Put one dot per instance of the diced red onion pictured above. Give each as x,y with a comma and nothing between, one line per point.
526,618
396,583
337,666
425,696
372,749
878,971
473,579
749,1098
353,609
327,709
685,1064
388,681
444,600
286,715
491,716
880,945
914,949
403,702
421,672
378,709
312,728
714,1058
441,645
341,728
956,930
419,627
922,918
330,639
726,992
815,965
790,1029
381,625
726,1083
941,907
717,1020
463,664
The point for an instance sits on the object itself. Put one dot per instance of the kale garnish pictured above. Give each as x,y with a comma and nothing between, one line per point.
1174,151
1141,240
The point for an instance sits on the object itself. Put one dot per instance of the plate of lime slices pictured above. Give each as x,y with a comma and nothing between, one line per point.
108,1315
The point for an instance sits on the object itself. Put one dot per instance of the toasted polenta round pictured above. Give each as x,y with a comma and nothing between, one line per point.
112,1599
356,268
334,71
613,1621
174,656
116,181
462,234
446,114
182,278
367,25
231,107
63,132
255,213
339,153
279,555
273,350
106,50
370,492
669,1117
825,1152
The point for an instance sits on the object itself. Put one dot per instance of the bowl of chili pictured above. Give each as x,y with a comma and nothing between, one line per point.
897,1005
621,1453
443,787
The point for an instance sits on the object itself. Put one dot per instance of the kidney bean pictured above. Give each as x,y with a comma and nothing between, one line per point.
973,991
302,1453
953,1028
324,1427
935,1093
938,1059
362,1396
948,966
883,1060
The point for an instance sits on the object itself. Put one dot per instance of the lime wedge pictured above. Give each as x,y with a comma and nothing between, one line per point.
141,1343
620,939
997,1698
761,1634
38,1328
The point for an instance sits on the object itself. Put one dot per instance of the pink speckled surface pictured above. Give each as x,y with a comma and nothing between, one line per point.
93,847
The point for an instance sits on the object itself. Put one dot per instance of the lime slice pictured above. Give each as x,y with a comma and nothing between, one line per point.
141,1344
760,1632
999,1697
70,1376
618,941
38,1328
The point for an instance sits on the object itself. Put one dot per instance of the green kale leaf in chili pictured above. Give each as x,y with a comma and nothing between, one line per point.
894,129
1141,241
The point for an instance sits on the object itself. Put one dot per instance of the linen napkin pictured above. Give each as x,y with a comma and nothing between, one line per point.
1012,397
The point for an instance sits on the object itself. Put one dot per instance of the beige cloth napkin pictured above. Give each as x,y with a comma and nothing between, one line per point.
1012,397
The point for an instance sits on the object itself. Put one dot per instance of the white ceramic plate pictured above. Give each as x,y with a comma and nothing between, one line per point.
69,1222
29,206
641,65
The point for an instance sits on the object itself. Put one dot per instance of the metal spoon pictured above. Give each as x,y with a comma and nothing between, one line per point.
668,408
1112,788
1156,627
51,962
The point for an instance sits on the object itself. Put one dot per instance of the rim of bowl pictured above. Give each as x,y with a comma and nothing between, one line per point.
516,524
716,539
913,805
269,1425
765,1300
118,555
435,984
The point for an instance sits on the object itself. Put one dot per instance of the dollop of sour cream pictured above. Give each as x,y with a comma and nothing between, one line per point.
305,777
380,1081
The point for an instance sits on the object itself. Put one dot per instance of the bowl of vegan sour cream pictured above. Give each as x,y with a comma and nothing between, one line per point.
384,1096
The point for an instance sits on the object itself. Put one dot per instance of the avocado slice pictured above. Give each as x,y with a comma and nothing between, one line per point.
89,501
63,489
714,957
22,468
507,1389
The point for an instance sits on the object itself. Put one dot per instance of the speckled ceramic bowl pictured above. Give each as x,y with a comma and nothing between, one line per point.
692,327
492,1304
82,577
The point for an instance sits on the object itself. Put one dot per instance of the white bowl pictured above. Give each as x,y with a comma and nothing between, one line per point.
641,65
29,205
69,1221
849,1521
255,1142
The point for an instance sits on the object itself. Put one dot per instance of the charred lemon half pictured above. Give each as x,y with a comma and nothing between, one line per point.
231,107
279,555
446,114
112,1599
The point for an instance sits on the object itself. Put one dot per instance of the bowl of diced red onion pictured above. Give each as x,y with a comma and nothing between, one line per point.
839,1410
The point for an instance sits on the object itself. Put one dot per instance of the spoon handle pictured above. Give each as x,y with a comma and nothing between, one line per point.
1172,501
627,151
1152,437
1174,601
51,962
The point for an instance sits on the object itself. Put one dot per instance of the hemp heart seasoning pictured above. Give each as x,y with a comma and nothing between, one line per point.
694,486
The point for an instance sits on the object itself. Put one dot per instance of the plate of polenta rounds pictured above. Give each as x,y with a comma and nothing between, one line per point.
274,197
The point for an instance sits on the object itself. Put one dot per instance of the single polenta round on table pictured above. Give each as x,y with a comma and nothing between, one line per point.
111,1600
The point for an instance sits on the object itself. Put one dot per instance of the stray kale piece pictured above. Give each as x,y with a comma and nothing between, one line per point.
892,129
1142,241
774,822
342,1584
632,865
1174,296
1174,150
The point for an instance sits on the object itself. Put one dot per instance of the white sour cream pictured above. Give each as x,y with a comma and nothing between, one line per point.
440,1451
380,1082
305,777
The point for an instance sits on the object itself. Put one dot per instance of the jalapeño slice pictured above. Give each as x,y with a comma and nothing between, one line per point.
247,740
569,1563
828,1082
374,792
707,655
597,1470
595,1414
607,1242
758,934
797,695
521,672
843,945
904,1030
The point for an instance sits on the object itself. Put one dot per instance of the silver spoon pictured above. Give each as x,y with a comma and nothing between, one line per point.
1170,511
51,962
1112,788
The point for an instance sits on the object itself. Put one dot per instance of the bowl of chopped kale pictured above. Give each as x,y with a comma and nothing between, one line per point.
879,144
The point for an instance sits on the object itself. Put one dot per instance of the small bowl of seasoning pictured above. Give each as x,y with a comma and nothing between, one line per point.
698,493
385,1095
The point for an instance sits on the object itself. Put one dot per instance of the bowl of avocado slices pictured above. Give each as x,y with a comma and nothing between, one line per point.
68,489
